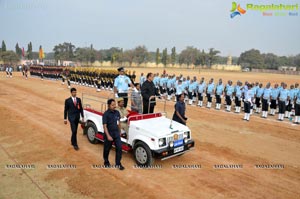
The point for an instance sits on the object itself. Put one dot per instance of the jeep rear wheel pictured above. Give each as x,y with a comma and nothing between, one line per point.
142,154
90,131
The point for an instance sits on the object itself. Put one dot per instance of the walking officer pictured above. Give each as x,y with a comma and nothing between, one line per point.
112,130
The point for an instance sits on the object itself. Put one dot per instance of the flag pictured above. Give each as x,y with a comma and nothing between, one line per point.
23,52
41,53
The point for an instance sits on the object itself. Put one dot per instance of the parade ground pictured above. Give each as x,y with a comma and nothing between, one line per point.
232,158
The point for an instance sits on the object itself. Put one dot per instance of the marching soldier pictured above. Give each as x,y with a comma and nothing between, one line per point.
266,97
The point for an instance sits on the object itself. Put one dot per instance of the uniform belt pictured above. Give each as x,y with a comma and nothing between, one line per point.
122,91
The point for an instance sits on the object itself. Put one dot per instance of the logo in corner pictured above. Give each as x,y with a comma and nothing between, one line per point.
236,10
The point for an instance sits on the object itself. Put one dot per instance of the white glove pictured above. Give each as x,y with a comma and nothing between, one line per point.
116,95
123,119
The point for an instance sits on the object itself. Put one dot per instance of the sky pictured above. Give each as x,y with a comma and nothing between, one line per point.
160,24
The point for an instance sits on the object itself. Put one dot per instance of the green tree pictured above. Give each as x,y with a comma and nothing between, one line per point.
251,58
140,54
64,51
18,50
173,56
212,56
29,51
157,56
271,61
189,56
3,47
164,58
9,57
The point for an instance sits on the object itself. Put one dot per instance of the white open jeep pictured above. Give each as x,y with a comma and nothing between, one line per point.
149,136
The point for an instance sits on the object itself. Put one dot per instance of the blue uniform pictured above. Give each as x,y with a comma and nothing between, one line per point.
238,91
201,87
210,88
259,92
142,80
219,89
179,89
298,97
283,94
192,87
229,90
267,93
121,83
274,93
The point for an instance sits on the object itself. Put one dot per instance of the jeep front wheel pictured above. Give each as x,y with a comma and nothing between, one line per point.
90,131
142,154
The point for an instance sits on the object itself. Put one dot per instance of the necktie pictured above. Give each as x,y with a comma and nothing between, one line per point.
74,101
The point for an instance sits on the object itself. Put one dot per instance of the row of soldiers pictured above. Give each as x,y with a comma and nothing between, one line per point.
260,98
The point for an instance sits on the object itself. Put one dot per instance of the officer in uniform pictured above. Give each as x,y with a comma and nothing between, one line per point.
111,126
283,101
209,92
258,94
248,101
200,90
238,96
121,85
274,97
123,115
297,108
219,93
266,97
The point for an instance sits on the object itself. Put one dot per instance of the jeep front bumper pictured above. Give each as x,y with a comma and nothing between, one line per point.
170,152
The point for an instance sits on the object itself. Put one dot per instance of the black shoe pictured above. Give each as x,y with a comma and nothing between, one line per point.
120,167
76,148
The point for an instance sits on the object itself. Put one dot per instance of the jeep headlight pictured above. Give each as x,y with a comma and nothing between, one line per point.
185,140
162,142
186,135
171,144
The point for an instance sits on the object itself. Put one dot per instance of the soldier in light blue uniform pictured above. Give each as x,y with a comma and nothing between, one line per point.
229,92
274,98
121,85
238,96
283,101
290,102
169,88
297,108
209,92
266,98
254,88
219,94
179,89
259,92
296,90
192,87
200,90
248,100
142,79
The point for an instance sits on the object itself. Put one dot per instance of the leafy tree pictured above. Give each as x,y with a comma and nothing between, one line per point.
188,56
164,58
3,47
173,56
64,51
29,51
157,56
212,56
251,58
140,54
18,50
9,57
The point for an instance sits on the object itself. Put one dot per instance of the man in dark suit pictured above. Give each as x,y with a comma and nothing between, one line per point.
148,93
73,108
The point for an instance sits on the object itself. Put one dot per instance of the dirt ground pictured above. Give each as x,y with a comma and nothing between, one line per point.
33,133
